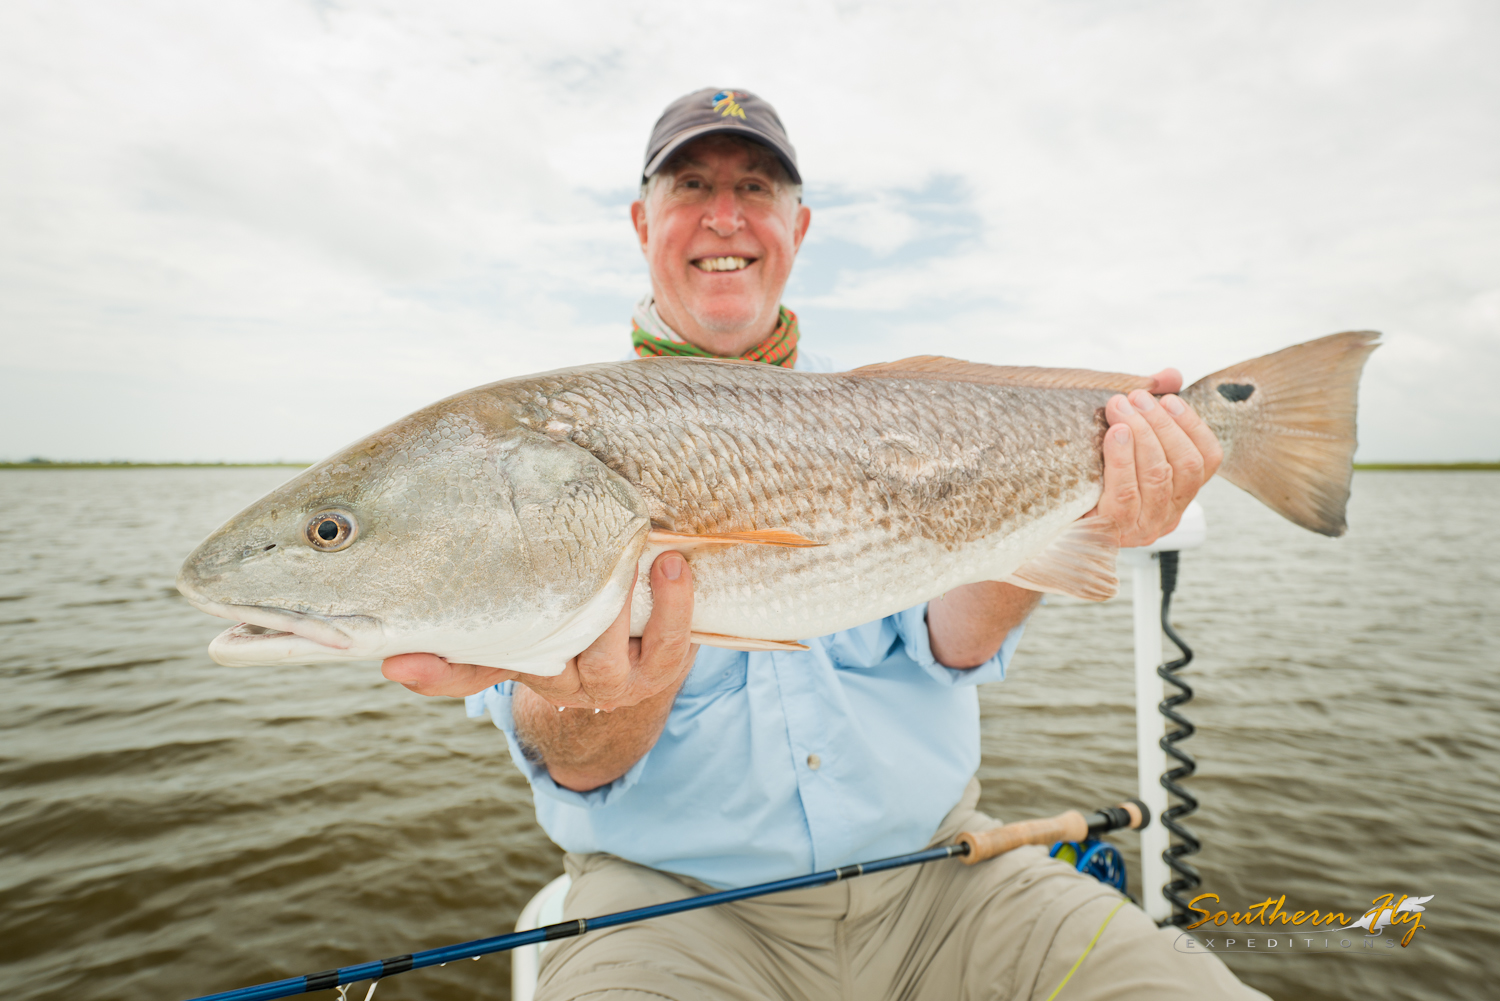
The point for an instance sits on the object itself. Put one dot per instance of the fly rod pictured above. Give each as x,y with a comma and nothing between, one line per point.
971,847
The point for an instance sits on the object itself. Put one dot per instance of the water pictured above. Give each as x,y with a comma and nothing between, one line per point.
170,827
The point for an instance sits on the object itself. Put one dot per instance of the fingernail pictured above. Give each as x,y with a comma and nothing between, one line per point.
1173,406
671,566
1143,401
1122,434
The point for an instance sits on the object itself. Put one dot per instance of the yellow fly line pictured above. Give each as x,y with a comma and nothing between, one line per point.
1086,951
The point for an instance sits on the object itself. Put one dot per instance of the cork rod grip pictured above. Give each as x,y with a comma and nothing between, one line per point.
1069,826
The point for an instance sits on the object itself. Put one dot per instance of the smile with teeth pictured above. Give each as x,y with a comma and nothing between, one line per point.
723,263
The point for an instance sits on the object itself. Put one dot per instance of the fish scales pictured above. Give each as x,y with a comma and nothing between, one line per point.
878,470
928,451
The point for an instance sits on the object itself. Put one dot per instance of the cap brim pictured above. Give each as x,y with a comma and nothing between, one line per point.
722,128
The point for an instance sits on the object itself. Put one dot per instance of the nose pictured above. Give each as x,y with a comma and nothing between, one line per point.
722,214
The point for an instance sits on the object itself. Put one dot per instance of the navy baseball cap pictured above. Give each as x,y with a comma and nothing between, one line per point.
710,112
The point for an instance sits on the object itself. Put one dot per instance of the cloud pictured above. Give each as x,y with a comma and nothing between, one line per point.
248,230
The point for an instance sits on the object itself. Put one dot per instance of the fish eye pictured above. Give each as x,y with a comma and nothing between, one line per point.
331,531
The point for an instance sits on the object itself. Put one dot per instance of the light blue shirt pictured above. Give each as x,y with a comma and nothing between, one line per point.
778,764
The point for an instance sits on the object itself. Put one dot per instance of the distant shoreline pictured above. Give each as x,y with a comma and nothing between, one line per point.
1435,467
48,464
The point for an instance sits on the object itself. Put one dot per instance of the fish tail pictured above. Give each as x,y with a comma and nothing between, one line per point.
1286,421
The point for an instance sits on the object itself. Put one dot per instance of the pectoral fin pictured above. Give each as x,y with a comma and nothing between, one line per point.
1079,563
759,537
740,643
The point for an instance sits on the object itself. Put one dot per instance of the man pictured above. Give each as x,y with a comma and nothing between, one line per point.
718,768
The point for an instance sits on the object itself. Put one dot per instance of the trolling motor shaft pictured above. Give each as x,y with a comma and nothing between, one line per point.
1068,826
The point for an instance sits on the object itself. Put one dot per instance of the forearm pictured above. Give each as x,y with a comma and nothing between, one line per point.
967,625
582,749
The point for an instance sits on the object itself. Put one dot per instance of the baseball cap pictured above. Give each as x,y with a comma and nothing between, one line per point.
712,111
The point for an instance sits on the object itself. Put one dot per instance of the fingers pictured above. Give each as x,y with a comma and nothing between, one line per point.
1171,454
415,670
614,670
1120,499
1199,432
1142,507
1182,456
427,674
558,690
603,669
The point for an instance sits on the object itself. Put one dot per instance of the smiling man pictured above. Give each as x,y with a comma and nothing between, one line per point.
720,227
713,768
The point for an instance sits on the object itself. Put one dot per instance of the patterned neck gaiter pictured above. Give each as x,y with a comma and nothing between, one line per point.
652,338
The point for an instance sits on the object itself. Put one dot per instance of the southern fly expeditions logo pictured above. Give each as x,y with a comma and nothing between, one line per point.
726,105
1255,928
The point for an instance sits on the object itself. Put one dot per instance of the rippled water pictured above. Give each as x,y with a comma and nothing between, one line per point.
171,827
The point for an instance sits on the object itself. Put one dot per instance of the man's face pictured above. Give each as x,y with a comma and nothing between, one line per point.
720,236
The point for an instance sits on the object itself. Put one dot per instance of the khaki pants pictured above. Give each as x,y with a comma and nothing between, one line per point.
1009,928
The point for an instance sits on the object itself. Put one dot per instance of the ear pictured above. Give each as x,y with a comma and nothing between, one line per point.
799,228
638,220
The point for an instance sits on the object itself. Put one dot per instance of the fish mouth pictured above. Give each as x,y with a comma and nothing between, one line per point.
249,645
721,264
266,620
265,632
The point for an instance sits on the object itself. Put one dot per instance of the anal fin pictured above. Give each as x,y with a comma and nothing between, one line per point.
1079,563
741,643
759,537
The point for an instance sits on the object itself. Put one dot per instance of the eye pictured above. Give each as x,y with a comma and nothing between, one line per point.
331,531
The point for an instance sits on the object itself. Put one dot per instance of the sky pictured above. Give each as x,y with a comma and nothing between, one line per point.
250,231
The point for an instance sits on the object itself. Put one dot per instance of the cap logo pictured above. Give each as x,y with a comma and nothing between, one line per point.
726,106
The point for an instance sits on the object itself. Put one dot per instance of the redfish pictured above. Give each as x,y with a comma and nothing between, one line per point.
506,525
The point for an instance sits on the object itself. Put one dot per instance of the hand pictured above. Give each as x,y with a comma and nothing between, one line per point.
615,671
1157,456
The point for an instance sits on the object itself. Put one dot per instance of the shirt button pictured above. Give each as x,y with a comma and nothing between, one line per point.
814,762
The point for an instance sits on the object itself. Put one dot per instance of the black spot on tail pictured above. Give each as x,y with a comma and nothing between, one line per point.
1235,392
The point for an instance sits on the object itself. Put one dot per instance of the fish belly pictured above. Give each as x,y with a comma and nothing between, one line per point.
795,595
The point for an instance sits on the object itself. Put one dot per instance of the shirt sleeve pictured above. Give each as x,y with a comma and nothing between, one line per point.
911,626
496,700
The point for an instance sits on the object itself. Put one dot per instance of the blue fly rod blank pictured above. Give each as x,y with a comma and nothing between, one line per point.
971,847
329,979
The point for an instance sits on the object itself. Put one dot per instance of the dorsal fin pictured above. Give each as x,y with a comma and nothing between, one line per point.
956,370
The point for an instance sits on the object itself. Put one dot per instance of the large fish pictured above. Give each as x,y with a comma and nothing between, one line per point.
505,525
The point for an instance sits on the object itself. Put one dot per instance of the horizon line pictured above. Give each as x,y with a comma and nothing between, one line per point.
1467,465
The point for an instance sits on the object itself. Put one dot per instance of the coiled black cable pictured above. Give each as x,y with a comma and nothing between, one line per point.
1186,843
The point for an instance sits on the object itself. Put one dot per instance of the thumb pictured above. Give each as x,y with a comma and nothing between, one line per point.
1168,380
666,637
